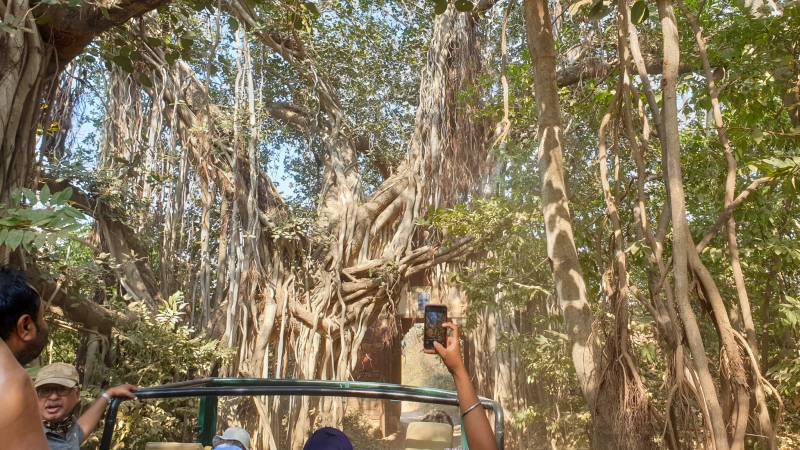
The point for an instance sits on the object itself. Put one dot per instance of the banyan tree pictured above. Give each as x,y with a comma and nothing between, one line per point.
389,112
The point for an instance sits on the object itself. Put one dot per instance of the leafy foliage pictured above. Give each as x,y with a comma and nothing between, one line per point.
512,276
33,220
149,351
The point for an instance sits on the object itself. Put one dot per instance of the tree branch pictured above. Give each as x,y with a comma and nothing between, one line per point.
594,68
121,241
293,115
728,212
70,29
87,313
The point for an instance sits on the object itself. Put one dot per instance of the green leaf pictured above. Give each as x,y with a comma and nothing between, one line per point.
598,10
639,12
171,57
30,197
233,24
186,41
153,42
758,136
41,20
123,62
145,81
14,238
439,6
64,196
312,9
464,5
44,194
3,235
40,240
73,213
27,238
297,21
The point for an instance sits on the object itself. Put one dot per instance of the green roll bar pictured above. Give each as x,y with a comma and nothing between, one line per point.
210,389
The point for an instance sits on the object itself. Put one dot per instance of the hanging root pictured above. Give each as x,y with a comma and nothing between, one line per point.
758,378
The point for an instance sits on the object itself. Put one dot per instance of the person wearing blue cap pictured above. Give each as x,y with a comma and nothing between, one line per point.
328,439
234,438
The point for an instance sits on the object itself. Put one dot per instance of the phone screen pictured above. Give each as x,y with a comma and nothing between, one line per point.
435,316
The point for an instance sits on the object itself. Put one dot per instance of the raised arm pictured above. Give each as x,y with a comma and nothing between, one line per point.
479,433
89,420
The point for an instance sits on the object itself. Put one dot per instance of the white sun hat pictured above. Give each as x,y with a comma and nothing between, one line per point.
237,434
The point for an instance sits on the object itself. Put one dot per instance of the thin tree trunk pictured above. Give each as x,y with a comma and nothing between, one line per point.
733,251
205,252
681,240
222,250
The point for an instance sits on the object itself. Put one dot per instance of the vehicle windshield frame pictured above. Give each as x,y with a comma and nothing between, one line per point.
213,388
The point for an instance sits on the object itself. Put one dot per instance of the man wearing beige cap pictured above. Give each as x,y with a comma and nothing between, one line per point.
57,388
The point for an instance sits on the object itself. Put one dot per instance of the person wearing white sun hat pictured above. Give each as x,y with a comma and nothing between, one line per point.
234,438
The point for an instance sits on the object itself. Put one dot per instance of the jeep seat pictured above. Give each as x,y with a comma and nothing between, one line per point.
428,436
172,446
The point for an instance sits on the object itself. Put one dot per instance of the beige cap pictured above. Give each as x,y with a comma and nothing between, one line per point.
62,374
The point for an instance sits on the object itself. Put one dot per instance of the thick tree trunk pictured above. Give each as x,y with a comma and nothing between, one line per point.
570,286
31,57
327,294
26,69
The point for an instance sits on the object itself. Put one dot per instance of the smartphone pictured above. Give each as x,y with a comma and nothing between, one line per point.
435,316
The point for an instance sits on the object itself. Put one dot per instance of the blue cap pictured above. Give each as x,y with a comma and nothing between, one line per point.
227,447
328,439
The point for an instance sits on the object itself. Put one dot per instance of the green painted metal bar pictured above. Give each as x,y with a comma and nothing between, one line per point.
207,419
264,382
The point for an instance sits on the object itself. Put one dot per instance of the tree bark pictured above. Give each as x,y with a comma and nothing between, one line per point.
681,239
567,274
31,60
25,65
733,247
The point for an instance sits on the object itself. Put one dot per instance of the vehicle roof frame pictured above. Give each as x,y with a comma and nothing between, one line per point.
238,387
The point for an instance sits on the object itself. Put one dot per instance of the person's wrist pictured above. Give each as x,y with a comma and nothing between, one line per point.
459,371
106,396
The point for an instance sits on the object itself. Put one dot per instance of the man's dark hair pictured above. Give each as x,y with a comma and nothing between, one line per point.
17,298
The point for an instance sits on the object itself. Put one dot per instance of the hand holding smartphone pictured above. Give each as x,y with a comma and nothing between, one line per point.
435,316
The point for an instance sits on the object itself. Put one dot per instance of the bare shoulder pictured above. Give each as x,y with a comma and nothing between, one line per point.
15,386
14,381
16,390
20,424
